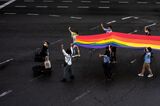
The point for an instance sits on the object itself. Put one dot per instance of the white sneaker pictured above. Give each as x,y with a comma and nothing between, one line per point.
140,75
150,75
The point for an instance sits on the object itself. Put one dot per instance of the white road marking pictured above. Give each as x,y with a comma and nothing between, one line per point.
67,1
126,18
62,6
36,78
6,61
83,7
103,7
94,27
104,1
9,13
151,25
73,17
123,2
32,14
157,2
53,15
85,1
6,4
133,61
5,93
41,6
52,43
139,2
111,22
48,1
136,17
133,32
28,0
80,96
20,6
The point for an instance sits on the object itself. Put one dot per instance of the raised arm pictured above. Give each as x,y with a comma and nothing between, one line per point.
63,51
71,47
69,28
102,27
101,55
145,29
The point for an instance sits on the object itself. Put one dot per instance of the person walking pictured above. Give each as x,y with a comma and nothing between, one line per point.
106,64
111,48
68,75
146,64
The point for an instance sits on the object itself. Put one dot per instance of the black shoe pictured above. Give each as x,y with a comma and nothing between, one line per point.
72,77
63,80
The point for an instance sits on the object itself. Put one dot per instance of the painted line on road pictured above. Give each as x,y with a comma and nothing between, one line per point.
67,1
62,6
157,2
9,13
139,2
83,7
93,28
36,78
6,4
86,1
41,6
20,6
123,2
151,25
114,21
53,15
5,93
33,14
52,43
28,1
104,1
104,7
73,17
48,1
136,17
6,61
133,61
133,32
80,96
125,18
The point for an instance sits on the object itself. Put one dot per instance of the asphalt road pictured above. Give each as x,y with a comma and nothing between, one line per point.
23,29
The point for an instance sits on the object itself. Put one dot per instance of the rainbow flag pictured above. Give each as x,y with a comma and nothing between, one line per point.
119,40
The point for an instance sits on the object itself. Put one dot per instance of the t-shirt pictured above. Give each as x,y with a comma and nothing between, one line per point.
147,57
107,30
106,59
73,34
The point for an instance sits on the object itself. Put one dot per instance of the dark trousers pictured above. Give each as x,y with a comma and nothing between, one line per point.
113,56
107,70
67,72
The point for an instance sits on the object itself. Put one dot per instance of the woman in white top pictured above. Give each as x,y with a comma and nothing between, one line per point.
67,64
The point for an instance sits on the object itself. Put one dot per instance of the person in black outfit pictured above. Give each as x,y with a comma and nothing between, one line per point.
113,50
106,64
44,51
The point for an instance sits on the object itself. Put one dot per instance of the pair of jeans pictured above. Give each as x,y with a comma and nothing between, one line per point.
107,70
67,72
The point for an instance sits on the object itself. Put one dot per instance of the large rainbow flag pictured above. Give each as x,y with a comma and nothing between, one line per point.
119,40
